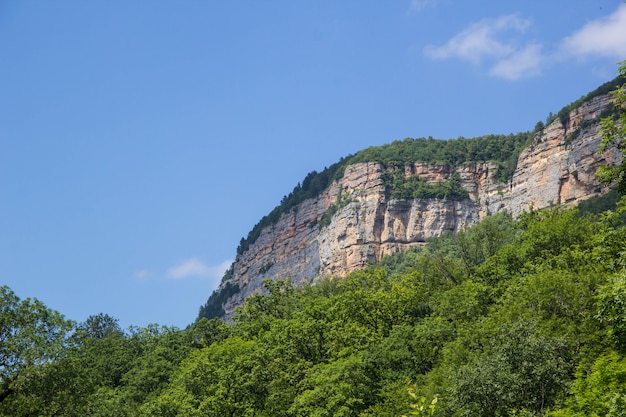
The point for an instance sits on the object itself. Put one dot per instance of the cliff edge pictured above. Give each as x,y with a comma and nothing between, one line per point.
354,221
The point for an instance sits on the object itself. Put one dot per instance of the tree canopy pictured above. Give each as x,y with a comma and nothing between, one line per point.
508,317
31,336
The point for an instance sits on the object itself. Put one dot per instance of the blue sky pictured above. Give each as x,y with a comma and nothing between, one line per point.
141,140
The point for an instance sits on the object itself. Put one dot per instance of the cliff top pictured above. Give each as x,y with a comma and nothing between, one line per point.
503,150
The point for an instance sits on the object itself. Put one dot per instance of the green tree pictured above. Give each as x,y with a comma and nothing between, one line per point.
483,240
464,302
599,390
31,335
261,310
222,380
98,326
204,332
519,369
611,301
160,351
341,388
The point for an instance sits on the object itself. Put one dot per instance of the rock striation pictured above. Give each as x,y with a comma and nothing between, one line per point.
558,168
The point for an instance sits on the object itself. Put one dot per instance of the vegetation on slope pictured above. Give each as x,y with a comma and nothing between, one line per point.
312,185
502,149
509,317
214,305
400,187
606,88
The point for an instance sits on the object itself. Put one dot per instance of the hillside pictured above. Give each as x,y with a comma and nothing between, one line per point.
518,317
387,199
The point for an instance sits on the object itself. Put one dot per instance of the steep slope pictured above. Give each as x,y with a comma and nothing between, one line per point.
355,220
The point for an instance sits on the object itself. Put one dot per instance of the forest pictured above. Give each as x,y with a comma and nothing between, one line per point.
523,317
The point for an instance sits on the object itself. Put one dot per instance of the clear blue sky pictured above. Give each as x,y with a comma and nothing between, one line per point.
140,140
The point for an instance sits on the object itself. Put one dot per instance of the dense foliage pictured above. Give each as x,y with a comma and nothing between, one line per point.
213,306
399,187
501,149
509,317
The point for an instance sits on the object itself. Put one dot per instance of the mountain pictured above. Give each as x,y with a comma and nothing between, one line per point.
384,200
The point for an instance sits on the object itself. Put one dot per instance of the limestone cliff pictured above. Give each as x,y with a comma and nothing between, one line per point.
557,168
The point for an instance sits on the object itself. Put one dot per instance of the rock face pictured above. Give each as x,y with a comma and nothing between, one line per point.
557,168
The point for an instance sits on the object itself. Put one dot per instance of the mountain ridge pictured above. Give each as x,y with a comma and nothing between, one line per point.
345,217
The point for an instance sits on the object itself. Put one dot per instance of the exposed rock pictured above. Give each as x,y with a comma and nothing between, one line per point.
552,171
558,168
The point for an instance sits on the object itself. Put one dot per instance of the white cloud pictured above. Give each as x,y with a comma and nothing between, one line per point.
481,40
602,37
196,268
523,63
192,267
498,45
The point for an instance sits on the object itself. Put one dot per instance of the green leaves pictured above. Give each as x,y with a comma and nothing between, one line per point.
519,369
341,388
599,390
503,149
612,308
401,187
418,405
31,335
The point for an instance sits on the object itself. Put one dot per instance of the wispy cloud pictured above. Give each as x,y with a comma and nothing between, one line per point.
419,5
522,63
142,275
196,268
481,40
500,48
604,37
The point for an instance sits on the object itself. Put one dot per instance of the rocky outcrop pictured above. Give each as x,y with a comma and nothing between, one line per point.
557,168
